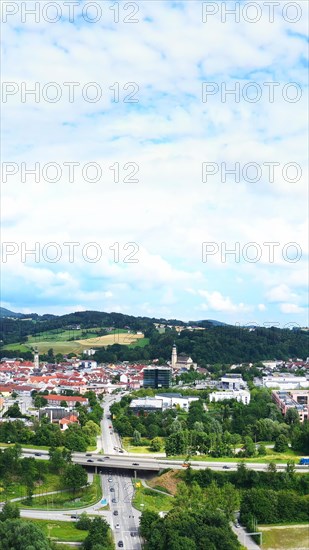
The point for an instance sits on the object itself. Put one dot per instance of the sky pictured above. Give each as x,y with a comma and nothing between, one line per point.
169,145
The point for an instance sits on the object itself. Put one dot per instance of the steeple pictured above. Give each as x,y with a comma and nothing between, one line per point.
36,359
174,356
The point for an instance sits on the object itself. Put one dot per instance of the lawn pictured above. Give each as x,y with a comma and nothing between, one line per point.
17,490
140,343
64,531
135,449
147,499
67,500
285,537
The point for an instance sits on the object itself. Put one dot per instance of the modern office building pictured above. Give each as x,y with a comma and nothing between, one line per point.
157,377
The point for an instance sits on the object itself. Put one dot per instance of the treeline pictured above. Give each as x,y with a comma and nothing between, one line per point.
244,478
217,344
269,506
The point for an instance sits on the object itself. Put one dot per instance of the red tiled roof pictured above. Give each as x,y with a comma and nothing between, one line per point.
68,398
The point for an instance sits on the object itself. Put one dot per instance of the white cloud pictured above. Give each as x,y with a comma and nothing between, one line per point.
170,212
217,302
291,308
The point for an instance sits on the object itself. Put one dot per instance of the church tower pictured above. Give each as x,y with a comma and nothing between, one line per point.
36,360
174,356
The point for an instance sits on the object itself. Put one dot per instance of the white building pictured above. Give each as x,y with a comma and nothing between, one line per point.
242,396
285,382
232,382
173,400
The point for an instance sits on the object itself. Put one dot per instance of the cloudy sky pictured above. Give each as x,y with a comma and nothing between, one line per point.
148,171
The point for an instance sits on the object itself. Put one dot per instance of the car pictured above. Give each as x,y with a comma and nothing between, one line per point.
114,500
90,460
133,534
100,459
236,524
109,426
116,513
185,465
75,516
117,526
135,464
37,454
88,454
106,457
120,451
112,490
110,479
225,467
111,433
120,544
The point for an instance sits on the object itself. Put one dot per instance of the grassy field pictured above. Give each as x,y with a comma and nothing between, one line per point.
122,338
285,537
141,343
64,531
147,499
127,445
17,490
67,500
59,340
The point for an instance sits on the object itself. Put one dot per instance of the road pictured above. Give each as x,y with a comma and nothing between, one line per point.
110,441
126,522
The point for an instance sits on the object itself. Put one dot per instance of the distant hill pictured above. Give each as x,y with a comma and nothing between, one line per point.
7,313
208,322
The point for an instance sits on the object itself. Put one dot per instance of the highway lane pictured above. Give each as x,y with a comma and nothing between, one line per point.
126,522
142,463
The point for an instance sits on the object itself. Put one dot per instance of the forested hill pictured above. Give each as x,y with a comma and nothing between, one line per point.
218,344
15,330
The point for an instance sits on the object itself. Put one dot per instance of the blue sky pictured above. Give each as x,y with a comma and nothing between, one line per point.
162,140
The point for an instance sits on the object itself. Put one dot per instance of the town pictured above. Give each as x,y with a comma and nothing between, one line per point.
110,433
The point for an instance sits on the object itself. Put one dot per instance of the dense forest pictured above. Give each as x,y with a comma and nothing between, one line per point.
215,344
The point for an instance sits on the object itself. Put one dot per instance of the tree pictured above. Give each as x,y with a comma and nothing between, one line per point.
230,500
22,535
84,522
98,534
262,451
39,401
281,444
249,447
156,445
74,477
136,437
10,510
58,459
292,417
91,430
146,521
13,411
